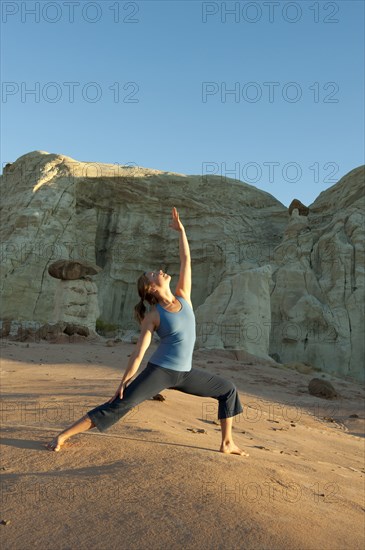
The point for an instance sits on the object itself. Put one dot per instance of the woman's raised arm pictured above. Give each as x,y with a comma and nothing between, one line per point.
183,286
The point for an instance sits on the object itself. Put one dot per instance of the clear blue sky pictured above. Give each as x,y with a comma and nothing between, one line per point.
172,51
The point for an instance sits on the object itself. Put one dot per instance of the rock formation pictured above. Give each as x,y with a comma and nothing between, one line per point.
237,313
71,270
76,302
296,204
76,295
322,388
317,303
264,281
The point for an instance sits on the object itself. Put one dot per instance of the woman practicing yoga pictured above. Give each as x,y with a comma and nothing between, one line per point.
170,366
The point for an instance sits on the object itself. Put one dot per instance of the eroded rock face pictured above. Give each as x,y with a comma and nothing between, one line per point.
317,304
237,313
115,217
76,303
264,281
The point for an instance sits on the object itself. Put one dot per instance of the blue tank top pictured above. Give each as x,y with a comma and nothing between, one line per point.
177,333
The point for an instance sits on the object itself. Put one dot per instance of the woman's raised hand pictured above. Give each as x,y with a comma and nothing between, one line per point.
176,223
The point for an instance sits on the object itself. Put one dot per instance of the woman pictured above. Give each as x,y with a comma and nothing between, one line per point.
170,366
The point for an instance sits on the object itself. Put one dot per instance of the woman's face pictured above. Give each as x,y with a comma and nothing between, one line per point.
157,278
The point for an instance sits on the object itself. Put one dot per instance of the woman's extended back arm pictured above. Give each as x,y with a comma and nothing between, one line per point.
143,343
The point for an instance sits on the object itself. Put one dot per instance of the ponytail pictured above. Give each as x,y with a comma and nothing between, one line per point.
143,287
139,311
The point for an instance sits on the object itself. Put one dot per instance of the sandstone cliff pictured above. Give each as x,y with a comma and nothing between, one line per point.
317,303
263,280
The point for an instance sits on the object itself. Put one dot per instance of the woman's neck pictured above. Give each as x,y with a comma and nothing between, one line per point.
167,299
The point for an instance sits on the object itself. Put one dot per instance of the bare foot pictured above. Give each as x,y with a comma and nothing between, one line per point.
55,444
231,448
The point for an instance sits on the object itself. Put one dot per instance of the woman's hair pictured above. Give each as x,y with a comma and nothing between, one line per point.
144,291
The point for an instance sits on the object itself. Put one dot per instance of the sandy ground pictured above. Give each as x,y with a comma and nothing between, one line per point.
150,482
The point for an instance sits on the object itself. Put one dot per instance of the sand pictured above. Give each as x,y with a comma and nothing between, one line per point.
151,482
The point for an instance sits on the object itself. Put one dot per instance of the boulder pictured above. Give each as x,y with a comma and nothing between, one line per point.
322,388
69,270
296,204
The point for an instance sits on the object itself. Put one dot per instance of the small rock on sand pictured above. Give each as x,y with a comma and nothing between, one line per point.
322,388
159,397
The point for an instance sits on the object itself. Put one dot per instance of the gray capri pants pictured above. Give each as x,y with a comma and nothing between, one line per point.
154,379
